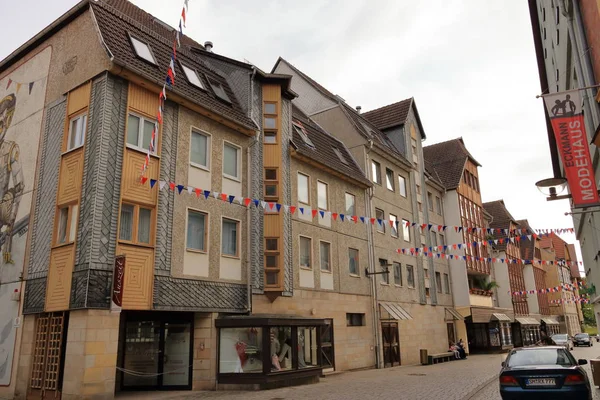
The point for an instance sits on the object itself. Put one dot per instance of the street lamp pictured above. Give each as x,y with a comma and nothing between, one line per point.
552,187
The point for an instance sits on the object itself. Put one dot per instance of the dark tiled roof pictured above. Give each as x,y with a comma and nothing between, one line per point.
390,115
447,160
115,27
501,219
323,152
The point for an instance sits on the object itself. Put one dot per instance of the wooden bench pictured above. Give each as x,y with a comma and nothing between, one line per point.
441,357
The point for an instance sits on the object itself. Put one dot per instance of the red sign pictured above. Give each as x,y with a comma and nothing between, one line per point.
118,278
568,124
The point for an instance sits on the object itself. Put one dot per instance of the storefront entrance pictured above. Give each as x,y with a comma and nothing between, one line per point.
157,351
327,348
391,345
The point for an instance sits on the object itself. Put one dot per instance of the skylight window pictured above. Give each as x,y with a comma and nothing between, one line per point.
340,156
142,50
192,76
300,130
218,89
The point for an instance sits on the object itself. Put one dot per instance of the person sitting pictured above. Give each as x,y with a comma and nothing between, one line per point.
461,349
454,349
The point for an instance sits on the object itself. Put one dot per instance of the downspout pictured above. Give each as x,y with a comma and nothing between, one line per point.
368,199
249,186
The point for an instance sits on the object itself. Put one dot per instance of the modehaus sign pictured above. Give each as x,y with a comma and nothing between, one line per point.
566,115
117,288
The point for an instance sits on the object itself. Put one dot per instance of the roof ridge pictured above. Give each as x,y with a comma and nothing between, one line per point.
388,105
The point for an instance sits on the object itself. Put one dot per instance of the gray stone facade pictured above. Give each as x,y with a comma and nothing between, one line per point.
286,136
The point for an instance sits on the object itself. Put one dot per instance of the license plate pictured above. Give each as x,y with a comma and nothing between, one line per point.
540,382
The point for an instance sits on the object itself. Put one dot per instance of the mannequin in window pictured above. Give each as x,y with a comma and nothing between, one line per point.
275,347
301,362
286,350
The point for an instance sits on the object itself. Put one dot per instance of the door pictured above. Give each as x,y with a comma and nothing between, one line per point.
327,348
391,345
451,336
48,356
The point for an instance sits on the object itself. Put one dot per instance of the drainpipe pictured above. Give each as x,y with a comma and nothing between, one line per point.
368,200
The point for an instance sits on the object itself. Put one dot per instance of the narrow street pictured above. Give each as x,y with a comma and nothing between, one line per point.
473,379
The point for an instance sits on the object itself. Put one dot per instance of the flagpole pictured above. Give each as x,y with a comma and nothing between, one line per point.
582,88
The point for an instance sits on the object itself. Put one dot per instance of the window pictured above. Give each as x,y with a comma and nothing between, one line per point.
325,253
426,272
142,50
402,185
77,128
442,240
376,172
322,195
272,261
544,33
251,338
434,241
139,132
135,224
270,123
389,179
192,76
350,204
438,282
418,189
199,145
303,188
231,155
67,224
430,201
410,276
420,206
380,216
218,89
385,278
394,219
557,40
270,137
302,133
438,203
405,231
271,184
476,181
197,232
305,252
355,319
229,238
397,274
544,14
340,156
353,262
427,292
557,15
446,283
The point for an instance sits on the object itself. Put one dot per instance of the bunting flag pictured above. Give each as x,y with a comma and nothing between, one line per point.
28,84
555,289
162,97
569,301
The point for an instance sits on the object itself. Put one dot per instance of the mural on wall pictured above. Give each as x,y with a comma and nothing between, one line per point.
22,96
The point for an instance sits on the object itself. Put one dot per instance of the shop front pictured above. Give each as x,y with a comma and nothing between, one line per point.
526,331
266,351
488,330
550,326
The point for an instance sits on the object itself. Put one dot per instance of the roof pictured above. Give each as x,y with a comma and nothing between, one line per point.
575,265
391,115
447,160
527,246
323,151
118,19
559,245
501,219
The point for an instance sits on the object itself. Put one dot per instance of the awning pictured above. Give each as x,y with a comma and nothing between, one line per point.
527,321
500,317
395,311
454,314
550,321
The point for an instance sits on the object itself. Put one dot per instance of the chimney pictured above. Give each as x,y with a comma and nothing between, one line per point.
208,45
358,108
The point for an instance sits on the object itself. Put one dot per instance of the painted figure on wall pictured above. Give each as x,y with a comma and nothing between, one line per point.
10,167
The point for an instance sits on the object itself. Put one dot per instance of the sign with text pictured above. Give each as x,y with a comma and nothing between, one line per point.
117,286
566,115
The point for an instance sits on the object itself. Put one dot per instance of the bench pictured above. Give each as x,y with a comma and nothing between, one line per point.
441,357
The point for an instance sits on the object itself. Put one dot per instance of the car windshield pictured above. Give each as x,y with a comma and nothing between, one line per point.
559,337
539,356
581,336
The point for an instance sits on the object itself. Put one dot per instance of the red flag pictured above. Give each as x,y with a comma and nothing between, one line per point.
355,219
372,221
334,215
183,15
172,185
144,179
271,205
224,197
198,192
314,213
247,201
170,73
292,209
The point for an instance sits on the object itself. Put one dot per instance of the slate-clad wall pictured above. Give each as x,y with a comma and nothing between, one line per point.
45,204
256,192
99,209
286,136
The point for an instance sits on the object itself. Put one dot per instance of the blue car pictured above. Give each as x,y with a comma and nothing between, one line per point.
548,372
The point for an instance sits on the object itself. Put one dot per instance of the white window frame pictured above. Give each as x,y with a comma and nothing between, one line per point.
346,194
140,133
238,238
152,59
376,166
320,258
320,184
402,185
389,180
188,74
357,274
310,252
239,161
394,229
77,117
208,136
380,227
206,229
307,188
405,230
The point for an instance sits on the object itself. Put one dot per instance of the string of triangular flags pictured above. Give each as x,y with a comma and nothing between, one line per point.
554,289
18,84
169,81
277,207
568,301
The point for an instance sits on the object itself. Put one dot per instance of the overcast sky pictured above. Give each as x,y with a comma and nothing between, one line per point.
470,65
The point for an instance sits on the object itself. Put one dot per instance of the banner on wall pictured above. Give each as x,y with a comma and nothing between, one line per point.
117,286
566,115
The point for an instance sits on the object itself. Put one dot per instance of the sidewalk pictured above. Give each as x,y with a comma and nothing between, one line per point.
452,380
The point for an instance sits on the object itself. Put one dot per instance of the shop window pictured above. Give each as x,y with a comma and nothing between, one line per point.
240,350
281,348
355,319
135,224
307,347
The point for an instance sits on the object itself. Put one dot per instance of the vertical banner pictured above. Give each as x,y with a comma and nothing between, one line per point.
117,286
566,115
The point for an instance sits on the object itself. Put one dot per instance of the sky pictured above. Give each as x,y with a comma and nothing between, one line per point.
469,64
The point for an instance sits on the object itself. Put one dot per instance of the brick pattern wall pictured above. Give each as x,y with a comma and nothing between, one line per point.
539,275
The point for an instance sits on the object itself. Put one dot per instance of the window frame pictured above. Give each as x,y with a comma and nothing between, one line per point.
389,180
376,172
208,137
357,274
206,230
402,185
385,278
326,185
430,201
185,69
380,227
346,194
70,237
397,267
270,182
438,203
394,229
446,283
239,161
275,116
214,83
133,38
310,251
135,225
438,276
329,269
405,231
81,115
238,237
307,188
139,146
277,254
410,268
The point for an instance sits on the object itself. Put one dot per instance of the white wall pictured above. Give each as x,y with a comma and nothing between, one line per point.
458,269
501,274
532,299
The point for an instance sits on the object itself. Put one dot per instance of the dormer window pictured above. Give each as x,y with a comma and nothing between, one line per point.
142,50
340,156
218,89
300,130
192,76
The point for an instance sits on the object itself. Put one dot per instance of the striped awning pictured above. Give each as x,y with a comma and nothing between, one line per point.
527,321
395,311
550,321
500,317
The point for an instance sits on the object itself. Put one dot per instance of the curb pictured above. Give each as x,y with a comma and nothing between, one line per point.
479,388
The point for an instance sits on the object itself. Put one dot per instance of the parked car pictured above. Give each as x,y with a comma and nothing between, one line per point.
582,339
549,372
562,339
